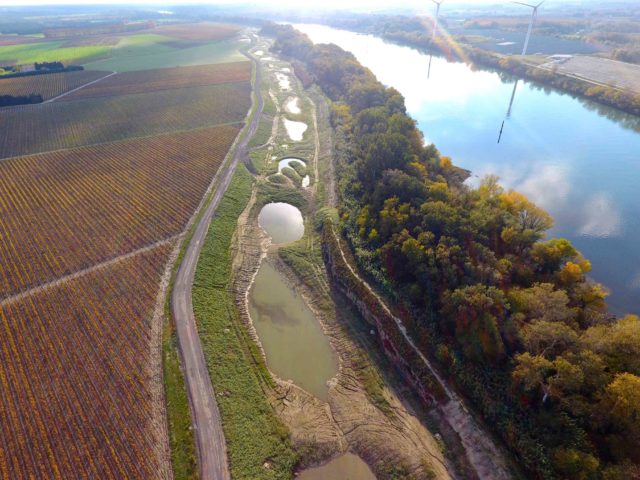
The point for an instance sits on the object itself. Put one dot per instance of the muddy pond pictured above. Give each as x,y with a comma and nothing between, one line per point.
295,346
346,467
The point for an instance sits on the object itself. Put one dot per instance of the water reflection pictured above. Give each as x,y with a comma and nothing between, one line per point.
283,222
508,115
578,159
295,346
601,217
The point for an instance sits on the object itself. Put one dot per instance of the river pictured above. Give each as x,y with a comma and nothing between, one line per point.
578,160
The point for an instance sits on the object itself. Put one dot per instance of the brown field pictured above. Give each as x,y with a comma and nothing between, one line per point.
108,40
76,393
602,70
49,85
52,126
17,40
98,30
166,78
198,32
65,211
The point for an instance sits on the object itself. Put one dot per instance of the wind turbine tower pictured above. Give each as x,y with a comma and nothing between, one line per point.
435,22
534,15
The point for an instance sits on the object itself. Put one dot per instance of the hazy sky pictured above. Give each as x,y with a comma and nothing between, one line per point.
298,3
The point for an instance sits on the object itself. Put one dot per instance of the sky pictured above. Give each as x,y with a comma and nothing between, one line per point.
311,3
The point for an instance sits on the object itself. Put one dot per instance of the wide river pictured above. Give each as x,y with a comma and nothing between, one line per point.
579,161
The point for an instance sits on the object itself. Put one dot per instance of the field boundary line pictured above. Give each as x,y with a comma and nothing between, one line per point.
122,140
81,273
79,88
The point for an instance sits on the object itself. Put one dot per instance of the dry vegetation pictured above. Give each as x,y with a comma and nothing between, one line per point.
65,211
49,85
198,32
59,125
166,78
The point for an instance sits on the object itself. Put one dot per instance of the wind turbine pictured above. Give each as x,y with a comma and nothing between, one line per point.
508,115
534,14
435,22
433,35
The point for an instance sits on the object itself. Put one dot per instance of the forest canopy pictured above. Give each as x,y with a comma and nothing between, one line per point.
510,315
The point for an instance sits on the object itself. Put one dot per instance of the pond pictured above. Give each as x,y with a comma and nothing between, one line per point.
295,130
345,467
295,346
282,222
286,162
577,159
292,106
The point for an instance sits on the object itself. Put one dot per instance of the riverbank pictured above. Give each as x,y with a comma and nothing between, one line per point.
624,100
361,413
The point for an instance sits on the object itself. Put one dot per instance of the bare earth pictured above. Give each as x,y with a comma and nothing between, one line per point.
602,71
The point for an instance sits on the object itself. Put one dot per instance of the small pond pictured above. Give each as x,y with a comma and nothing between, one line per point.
345,467
295,130
282,222
295,346
292,106
286,162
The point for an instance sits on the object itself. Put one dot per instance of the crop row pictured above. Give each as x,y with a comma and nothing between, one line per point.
166,78
64,211
53,126
75,384
49,85
198,32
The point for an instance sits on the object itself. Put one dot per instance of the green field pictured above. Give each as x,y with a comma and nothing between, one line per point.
49,52
145,55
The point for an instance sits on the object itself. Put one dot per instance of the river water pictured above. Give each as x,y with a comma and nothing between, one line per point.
579,160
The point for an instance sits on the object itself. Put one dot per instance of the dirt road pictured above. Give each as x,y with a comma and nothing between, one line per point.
209,437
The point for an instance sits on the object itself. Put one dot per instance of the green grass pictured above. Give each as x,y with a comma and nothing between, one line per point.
143,39
49,52
183,451
145,55
268,192
263,133
253,432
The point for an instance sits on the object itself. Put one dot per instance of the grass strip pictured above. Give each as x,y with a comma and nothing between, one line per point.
257,442
183,454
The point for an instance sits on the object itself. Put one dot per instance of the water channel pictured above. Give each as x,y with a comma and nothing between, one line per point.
577,159
286,162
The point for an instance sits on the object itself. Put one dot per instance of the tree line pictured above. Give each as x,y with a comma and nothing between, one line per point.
13,100
509,315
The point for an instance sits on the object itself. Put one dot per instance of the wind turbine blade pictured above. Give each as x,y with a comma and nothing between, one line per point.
525,4
540,3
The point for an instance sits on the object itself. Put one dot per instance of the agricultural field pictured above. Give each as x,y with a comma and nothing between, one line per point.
49,85
601,70
76,395
28,53
509,42
95,192
147,56
53,126
65,211
166,78
18,39
198,32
